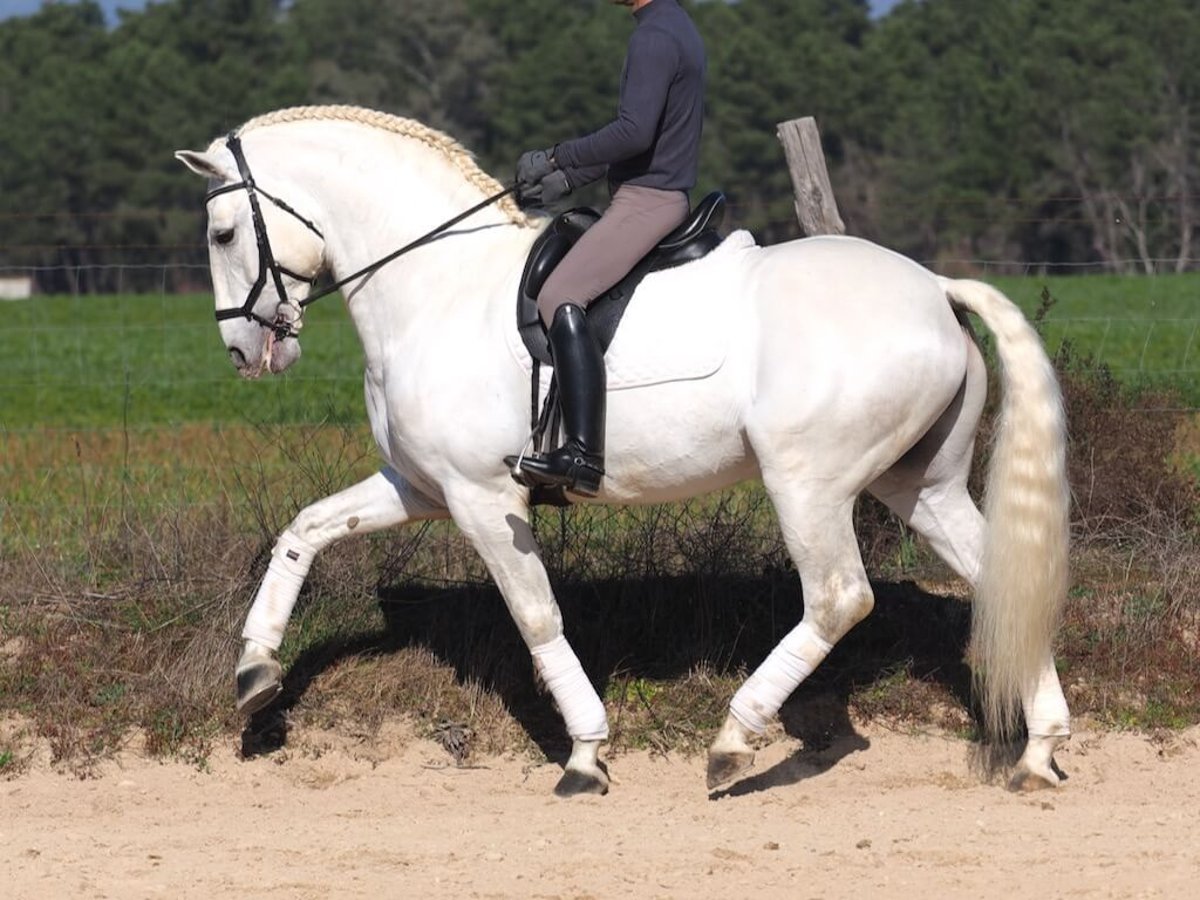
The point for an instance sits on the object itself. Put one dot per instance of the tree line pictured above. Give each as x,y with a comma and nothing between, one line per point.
1055,131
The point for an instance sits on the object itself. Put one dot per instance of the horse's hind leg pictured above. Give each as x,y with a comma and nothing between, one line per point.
949,520
817,526
383,500
953,525
927,488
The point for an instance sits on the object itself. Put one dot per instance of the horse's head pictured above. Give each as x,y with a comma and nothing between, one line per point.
264,255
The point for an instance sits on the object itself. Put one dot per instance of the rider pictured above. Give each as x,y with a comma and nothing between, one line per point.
650,153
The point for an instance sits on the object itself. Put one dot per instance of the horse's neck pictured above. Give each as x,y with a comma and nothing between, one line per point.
458,282
377,192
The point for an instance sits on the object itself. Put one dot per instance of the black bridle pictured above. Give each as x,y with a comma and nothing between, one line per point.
267,262
282,326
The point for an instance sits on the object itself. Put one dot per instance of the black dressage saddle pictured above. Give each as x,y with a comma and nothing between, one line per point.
690,241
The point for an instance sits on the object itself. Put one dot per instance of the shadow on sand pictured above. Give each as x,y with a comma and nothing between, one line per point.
659,628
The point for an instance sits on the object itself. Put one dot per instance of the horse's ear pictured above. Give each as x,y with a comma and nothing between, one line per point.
206,165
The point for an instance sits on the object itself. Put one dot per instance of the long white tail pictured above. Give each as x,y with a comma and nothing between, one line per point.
1023,575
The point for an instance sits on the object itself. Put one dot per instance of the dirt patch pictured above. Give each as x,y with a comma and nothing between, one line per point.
877,813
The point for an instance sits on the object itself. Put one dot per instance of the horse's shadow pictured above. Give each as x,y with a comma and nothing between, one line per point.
659,628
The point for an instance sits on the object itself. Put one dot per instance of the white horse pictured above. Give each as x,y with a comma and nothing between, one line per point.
824,366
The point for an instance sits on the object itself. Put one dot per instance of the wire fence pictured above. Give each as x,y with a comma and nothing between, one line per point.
147,250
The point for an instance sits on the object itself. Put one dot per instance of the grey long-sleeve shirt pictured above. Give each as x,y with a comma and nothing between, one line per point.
655,139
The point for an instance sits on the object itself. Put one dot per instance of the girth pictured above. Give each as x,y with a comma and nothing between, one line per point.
690,241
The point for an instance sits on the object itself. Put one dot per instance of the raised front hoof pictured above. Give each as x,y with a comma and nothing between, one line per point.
574,782
724,767
258,684
1026,781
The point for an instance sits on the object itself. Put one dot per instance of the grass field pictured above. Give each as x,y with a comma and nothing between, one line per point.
1145,329
129,402
116,361
87,362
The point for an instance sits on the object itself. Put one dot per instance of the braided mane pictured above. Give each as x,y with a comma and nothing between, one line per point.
458,155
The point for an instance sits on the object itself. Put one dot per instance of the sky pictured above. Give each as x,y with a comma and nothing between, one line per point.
25,7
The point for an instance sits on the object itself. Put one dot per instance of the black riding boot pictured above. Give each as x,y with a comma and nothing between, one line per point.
578,465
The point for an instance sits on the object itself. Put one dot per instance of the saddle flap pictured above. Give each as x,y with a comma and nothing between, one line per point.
691,240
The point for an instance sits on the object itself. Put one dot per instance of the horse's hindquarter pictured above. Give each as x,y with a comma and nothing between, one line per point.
858,353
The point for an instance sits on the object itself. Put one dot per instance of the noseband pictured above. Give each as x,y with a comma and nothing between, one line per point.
282,326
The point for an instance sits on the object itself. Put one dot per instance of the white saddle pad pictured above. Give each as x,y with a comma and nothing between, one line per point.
675,327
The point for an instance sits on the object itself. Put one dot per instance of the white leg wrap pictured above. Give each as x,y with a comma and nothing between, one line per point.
1046,713
576,698
759,699
278,592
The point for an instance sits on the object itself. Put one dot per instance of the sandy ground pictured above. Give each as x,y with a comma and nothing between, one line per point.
883,814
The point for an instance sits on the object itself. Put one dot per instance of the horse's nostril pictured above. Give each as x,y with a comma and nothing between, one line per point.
238,357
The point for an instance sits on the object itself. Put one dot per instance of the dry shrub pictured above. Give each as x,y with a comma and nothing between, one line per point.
141,636
1128,645
1121,449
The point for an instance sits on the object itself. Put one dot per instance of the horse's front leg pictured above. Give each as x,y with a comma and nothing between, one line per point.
383,500
497,523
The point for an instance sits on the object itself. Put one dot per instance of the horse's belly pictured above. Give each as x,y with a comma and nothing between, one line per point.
676,440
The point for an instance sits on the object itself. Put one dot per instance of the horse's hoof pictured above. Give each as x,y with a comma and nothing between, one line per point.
574,782
1026,781
724,767
258,683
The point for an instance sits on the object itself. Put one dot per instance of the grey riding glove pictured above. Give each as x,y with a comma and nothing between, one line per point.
533,166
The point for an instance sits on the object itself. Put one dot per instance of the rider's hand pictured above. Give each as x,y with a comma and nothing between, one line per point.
555,186
532,167
550,189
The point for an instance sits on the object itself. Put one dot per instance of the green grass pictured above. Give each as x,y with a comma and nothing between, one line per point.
115,404
140,360
1146,329
112,361
61,490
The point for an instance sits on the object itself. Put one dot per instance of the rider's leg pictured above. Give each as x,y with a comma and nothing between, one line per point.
636,220
633,224
578,464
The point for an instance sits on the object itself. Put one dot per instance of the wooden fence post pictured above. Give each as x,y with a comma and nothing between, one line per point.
816,207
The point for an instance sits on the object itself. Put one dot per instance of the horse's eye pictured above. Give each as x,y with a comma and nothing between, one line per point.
223,237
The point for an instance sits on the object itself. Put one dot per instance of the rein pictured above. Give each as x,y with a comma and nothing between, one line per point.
280,325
